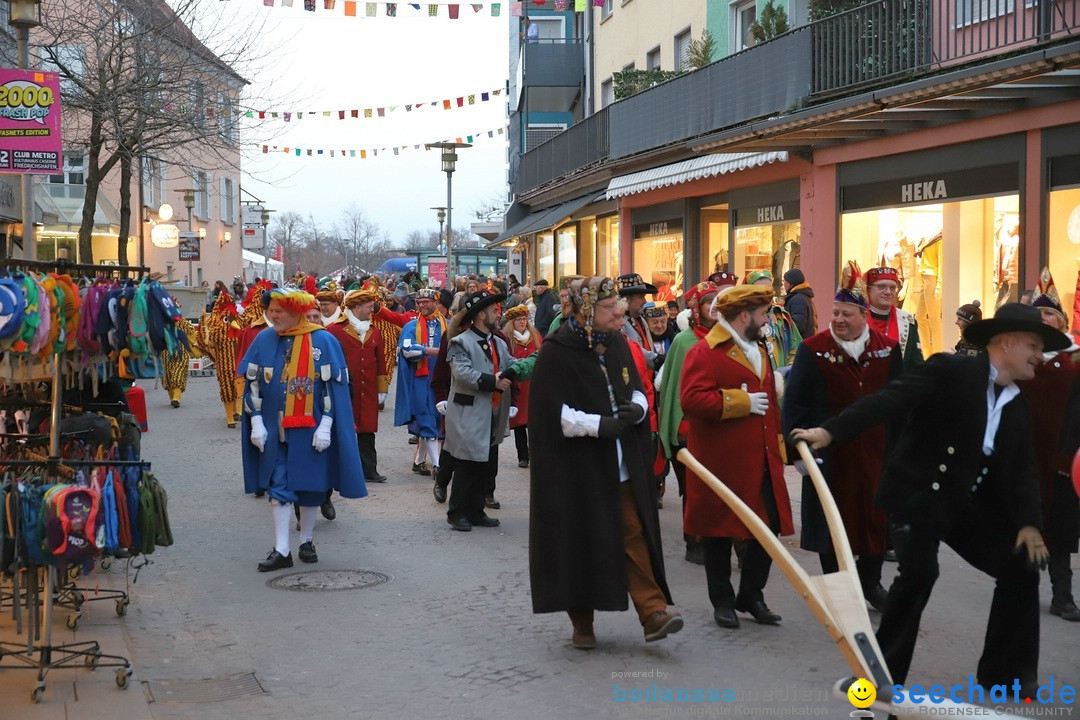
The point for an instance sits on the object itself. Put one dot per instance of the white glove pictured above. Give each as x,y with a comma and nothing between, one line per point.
441,407
759,401
410,351
321,441
800,466
258,432
513,412
382,397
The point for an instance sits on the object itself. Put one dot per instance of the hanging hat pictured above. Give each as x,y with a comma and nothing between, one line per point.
755,275
972,312
12,305
652,310
743,297
876,274
427,294
1016,317
696,294
633,284
355,297
722,279
1046,295
474,302
851,288
515,312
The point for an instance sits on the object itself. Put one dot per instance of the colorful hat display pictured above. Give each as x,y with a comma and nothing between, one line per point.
652,310
972,312
12,306
1046,294
876,274
1016,317
743,297
722,279
474,302
633,284
696,294
851,288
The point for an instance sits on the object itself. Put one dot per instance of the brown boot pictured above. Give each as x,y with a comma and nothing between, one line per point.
661,624
584,638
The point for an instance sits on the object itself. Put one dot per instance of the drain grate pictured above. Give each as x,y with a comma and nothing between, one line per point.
208,690
329,580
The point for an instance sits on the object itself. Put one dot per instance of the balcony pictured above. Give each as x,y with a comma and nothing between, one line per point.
756,99
553,62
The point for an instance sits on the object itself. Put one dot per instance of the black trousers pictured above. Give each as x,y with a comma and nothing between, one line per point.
868,567
447,463
521,440
984,538
471,480
369,459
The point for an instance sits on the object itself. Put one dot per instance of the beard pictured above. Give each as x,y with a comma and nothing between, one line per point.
753,333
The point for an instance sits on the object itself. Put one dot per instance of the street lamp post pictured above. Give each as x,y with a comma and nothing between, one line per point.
189,203
23,16
440,212
449,163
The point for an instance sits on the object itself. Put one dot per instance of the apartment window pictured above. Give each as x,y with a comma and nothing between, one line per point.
552,29
607,93
198,104
70,63
228,201
201,182
682,50
153,178
226,112
973,11
74,170
744,14
606,10
652,60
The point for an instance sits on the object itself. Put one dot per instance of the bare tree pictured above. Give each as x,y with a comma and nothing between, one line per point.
421,240
491,209
360,241
286,232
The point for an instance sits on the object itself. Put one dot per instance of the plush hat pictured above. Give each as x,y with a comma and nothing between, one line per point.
541,282
567,280
851,288
515,312
294,301
694,295
309,286
474,302
355,297
876,274
329,294
401,291
652,310
972,312
633,284
427,294
795,277
1016,317
446,297
1046,295
722,279
754,275
743,297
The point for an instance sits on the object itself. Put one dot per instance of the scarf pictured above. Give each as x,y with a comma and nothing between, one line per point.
522,338
598,338
328,319
643,332
299,377
422,338
750,348
885,323
361,327
855,347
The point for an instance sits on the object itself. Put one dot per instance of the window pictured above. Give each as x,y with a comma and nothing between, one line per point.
682,50
652,60
973,11
70,62
606,10
744,14
198,105
153,178
607,93
228,201
74,170
226,112
201,182
551,28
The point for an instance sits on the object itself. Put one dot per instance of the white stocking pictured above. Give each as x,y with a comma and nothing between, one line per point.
282,518
432,450
307,523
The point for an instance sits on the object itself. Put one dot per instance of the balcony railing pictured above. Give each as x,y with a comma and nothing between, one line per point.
892,39
579,146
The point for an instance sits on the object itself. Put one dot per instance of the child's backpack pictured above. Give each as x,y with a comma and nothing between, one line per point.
71,520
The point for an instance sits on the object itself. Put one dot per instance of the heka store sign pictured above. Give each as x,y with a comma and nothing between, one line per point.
30,122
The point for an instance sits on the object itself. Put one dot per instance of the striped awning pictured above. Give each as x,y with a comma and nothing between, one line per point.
697,168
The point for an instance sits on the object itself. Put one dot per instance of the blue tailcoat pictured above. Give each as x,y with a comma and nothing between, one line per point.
338,466
414,403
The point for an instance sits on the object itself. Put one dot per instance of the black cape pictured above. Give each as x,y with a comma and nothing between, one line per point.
576,557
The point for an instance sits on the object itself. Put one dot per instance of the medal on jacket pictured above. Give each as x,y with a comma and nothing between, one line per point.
268,374
626,376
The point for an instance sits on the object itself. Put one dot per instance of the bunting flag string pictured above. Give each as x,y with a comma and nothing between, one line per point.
366,10
363,154
355,113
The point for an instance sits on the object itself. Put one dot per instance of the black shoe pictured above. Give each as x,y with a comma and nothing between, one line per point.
890,555
307,553
413,439
328,511
483,520
275,561
1064,607
460,523
725,617
377,479
235,417
523,463
232,424
421,469
382,406
175,403
877,595
760,611
439,492
260,493
491,502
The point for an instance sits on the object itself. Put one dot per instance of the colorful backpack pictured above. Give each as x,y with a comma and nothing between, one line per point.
71,522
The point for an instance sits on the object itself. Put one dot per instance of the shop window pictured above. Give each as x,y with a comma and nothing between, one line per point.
947,255
567,251
587,246
772,246
658,257
714,240
607,246
545,257
1063,230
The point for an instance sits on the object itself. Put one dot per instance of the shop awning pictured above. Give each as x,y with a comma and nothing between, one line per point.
697,168
544,219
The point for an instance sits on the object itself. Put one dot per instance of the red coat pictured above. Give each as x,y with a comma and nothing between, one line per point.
522,351
646,379
367,372
740,448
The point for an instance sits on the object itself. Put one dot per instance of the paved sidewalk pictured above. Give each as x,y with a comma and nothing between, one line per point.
452,633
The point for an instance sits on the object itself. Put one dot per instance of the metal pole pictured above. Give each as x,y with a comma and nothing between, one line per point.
190,272
450,274
266,256
22,35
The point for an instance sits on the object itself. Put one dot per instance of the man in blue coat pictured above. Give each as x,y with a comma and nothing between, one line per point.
418,350
295,385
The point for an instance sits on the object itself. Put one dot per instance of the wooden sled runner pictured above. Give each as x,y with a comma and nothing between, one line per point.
835,599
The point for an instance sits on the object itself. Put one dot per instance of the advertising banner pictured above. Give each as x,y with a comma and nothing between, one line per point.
190,248
30,122
436,271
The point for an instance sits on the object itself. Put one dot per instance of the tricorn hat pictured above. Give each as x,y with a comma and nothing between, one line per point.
1016,317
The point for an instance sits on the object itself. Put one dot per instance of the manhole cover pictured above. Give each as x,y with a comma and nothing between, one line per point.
329,580
208,690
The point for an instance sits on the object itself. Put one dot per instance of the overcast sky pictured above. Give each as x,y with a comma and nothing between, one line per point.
324,61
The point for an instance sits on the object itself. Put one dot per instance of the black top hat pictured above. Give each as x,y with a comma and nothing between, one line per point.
632,284
1016,317
474,302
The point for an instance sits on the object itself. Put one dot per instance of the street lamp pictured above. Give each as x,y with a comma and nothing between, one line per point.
441,214
189,203
449,162
23,15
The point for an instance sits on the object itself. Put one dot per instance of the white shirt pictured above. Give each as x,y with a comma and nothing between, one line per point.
995,403
577,423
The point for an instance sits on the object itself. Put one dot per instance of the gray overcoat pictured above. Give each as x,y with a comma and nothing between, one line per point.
473,426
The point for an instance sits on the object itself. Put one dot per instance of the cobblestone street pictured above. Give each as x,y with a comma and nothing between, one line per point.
451,634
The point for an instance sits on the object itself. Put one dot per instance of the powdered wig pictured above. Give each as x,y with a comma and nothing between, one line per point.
296,302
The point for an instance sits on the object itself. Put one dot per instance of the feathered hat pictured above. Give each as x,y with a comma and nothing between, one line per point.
1046,296
297,302
851,288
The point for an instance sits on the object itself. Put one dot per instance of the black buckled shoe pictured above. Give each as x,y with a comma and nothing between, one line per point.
725,617
275,561
760,612
439,492
484,520
1065,608
460,524
421,469
307,553
327,510
876,597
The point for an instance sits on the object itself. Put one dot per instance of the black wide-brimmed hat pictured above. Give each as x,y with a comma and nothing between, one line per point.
633,284
474,302
1016,317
